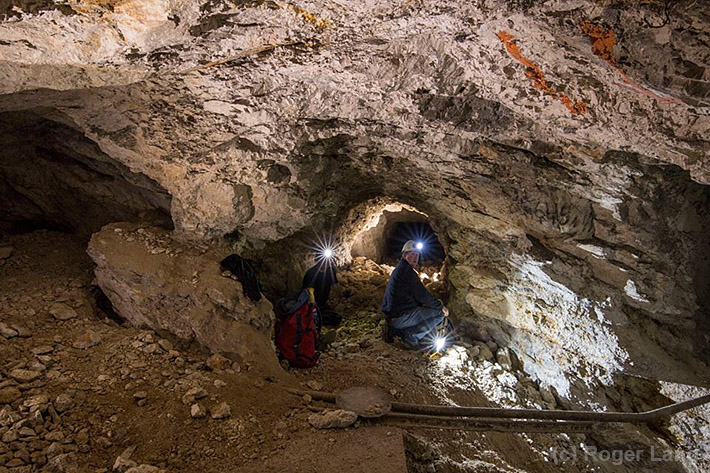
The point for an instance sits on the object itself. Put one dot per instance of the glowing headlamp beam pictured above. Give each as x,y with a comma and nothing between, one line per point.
327,253
439,343
419,245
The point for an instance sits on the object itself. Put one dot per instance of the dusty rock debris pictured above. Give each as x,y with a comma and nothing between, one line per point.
551,157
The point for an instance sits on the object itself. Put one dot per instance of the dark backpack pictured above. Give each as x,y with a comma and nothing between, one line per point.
297,330
246,275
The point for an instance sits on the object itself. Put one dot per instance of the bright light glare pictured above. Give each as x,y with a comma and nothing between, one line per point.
420,245
327,253
439,343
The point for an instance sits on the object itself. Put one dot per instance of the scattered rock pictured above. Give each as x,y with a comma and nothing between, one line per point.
121,465
63,463
221,411
197,411
140,395
7,332
87,340
193,394
503,358
165,345
22,332
24,376
63,402
332,419
145,469
485,353
218,362
61,311
5,252
9,394
314,385
42,350
218,383
547,395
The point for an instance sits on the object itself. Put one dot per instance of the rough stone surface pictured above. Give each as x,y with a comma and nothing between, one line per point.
87,340
61,311
180,289
197,411
332,419
9,394
559,149
221,411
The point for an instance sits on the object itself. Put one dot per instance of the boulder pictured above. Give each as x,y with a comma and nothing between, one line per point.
181,291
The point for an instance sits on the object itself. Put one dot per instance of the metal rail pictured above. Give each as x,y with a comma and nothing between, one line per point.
557,415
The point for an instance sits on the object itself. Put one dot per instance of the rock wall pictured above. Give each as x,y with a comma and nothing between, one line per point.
154,282
559,148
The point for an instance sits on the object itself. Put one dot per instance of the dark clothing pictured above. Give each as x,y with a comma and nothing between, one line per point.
321,282
245,273
406,292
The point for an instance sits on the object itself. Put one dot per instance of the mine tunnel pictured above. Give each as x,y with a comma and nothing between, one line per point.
170,172
52,176
383,243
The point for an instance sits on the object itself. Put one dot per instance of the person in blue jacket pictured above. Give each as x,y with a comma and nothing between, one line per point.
410,310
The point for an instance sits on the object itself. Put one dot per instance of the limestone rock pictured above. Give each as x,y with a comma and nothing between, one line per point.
503,358
9,394
484,353
145,469
221,411
61,311
24,376
5,252
193,394
63,402
87,340
332,419
121,465
166,293
6,331
197,411
218,362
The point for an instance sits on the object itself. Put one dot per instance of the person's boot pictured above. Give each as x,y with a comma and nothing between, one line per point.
386,335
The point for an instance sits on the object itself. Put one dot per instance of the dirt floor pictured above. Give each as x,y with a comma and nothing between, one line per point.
80,391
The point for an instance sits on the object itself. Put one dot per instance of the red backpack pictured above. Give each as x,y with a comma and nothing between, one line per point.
297,330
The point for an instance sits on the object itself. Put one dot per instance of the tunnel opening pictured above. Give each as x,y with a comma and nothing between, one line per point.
54,177
381,240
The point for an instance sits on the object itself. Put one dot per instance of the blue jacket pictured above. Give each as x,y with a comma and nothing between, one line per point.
405,292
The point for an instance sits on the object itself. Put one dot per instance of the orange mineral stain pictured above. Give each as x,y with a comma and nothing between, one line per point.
536,76
603,42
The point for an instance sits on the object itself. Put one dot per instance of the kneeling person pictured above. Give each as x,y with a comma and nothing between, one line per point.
410,310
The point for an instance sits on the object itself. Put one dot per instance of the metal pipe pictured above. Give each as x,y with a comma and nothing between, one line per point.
494,412
510,426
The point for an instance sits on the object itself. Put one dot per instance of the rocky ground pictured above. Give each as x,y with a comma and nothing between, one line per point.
82,391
